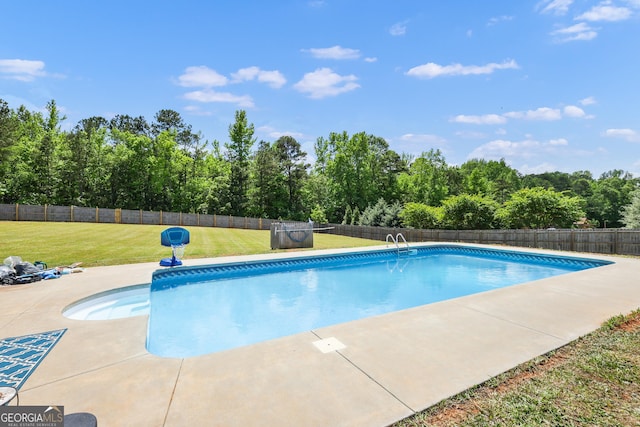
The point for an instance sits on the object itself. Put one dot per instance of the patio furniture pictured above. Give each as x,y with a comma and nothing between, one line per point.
80,419
7,394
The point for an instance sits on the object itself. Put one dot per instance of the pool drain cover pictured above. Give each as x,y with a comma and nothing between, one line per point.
329,344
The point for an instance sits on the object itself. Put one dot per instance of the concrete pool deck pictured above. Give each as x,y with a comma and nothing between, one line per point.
392,365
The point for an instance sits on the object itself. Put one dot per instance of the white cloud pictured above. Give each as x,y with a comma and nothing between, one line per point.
581,31
539,114
275,134
542,113
371,59
206,78
573,111
209,95
487,119
470,134
605,12
21,69
559,141
398,29
626,134
590,100
201,76
526,149
324,82
334,52
537,169
501,148
195,110
274,79
415,144
497,19
556,7
431,70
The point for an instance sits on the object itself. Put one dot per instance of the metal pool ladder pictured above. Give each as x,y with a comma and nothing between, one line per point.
396,241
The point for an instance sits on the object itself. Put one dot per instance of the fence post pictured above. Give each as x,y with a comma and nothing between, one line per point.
17,212
573,240
97,214
45,212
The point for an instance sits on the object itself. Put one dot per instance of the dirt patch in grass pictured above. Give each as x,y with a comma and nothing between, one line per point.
565,386
632,323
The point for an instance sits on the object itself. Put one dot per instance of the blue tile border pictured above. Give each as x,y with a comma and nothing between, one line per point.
170,278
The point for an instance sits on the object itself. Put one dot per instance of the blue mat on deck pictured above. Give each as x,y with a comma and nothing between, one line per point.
19,356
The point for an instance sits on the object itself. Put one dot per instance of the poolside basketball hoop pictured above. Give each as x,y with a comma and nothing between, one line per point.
291,235
176,238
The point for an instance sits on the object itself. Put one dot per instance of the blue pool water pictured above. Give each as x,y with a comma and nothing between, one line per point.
201,310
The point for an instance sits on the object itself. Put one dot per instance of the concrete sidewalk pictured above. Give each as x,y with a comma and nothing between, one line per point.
390,367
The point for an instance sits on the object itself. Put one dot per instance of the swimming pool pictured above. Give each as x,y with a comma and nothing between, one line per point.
199,310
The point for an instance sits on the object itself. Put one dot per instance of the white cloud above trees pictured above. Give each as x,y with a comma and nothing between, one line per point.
324,82
21,69
334,52
431,70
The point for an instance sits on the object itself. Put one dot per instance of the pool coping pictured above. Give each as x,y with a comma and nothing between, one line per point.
391,366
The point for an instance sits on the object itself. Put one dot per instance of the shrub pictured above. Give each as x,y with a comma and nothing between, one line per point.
419,215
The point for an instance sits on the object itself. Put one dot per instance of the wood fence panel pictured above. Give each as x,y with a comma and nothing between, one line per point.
150,218
8,212
128,216
59,213
253,223
109,216
82,214
190,219
223,221
31,213
207,220
628,242
171,218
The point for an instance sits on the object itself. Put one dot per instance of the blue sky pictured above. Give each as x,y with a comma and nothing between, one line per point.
547,85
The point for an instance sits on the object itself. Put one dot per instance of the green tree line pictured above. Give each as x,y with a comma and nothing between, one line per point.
163,164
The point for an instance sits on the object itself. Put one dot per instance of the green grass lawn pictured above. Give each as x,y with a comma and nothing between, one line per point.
60,243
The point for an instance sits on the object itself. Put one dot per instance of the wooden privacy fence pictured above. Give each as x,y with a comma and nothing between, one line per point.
125,216
603,241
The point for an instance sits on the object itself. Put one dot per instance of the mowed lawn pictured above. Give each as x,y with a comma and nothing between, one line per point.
60,243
